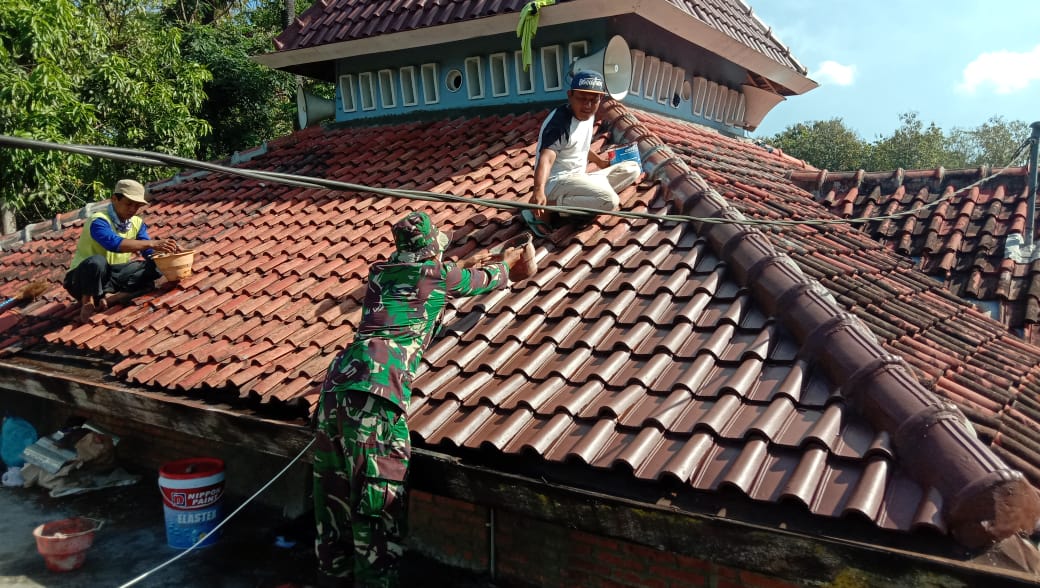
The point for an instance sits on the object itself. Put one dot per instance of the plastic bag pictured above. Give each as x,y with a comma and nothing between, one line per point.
17,434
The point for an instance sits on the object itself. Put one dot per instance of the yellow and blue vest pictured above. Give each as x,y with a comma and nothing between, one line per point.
88,247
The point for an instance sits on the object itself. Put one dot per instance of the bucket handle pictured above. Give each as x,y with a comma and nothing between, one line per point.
98,523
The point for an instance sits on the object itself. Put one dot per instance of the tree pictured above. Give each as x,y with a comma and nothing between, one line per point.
993,143
911,146
41,67
831,145
172,76
147,94
246,103
826,144
89,72
201,11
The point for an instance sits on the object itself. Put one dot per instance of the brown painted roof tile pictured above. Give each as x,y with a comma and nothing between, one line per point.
677,352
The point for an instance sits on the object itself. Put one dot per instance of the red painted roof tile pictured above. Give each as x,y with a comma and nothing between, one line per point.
960,241
683,352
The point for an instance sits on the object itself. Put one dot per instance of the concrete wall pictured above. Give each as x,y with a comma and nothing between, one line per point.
143,449
444,78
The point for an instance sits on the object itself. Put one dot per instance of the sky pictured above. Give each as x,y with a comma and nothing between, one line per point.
956,63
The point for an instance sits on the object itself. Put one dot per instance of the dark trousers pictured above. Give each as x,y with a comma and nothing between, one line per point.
94,276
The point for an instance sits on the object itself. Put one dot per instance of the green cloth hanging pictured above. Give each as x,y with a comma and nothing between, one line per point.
528,26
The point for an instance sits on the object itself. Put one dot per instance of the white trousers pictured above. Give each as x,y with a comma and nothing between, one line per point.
596,190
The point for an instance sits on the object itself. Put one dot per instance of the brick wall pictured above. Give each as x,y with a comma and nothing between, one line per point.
451,531
535,553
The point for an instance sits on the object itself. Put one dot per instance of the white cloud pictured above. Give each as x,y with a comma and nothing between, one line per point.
1006,71
835,73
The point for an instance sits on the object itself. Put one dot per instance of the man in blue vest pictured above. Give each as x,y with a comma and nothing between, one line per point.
103,262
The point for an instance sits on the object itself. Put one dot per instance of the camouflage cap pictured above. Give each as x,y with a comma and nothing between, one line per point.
417,239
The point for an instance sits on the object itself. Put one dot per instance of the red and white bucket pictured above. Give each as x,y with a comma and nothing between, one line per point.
64,544
193,492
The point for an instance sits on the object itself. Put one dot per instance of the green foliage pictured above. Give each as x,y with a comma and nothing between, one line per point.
41,65
994,142
200,11
147,93
826,144
911,146
270,15
832,145
105,72
172,76
246,103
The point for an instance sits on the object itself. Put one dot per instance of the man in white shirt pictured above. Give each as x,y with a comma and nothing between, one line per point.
564,142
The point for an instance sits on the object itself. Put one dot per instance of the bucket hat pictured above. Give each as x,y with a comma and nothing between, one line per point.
417,239
131,190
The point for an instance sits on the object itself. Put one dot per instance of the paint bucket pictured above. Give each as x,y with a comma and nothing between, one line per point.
629,152
64,544
192,491
175,266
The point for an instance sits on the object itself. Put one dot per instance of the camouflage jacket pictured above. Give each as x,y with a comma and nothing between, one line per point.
399,317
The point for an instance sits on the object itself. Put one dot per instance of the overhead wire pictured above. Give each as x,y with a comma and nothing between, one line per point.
152,158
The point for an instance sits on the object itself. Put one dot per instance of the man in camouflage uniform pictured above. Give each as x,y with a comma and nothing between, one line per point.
362,450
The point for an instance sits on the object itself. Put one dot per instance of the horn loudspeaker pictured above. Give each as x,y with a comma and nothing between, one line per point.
758,103
613,61
311,109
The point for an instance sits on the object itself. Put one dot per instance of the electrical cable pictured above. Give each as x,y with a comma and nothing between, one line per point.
161,159
223,522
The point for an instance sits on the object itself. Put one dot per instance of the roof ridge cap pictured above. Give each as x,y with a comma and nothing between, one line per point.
985,500
57,223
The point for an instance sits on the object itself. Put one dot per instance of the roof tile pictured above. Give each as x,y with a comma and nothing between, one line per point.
636,347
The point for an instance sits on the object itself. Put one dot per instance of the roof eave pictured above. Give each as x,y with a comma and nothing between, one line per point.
448,33
85,389
674,20
662,14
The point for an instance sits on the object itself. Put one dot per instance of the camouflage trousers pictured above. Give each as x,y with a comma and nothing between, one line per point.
360,463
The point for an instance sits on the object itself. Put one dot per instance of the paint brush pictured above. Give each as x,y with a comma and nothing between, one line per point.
29,293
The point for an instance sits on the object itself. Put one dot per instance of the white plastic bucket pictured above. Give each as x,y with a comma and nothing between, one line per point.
193,492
